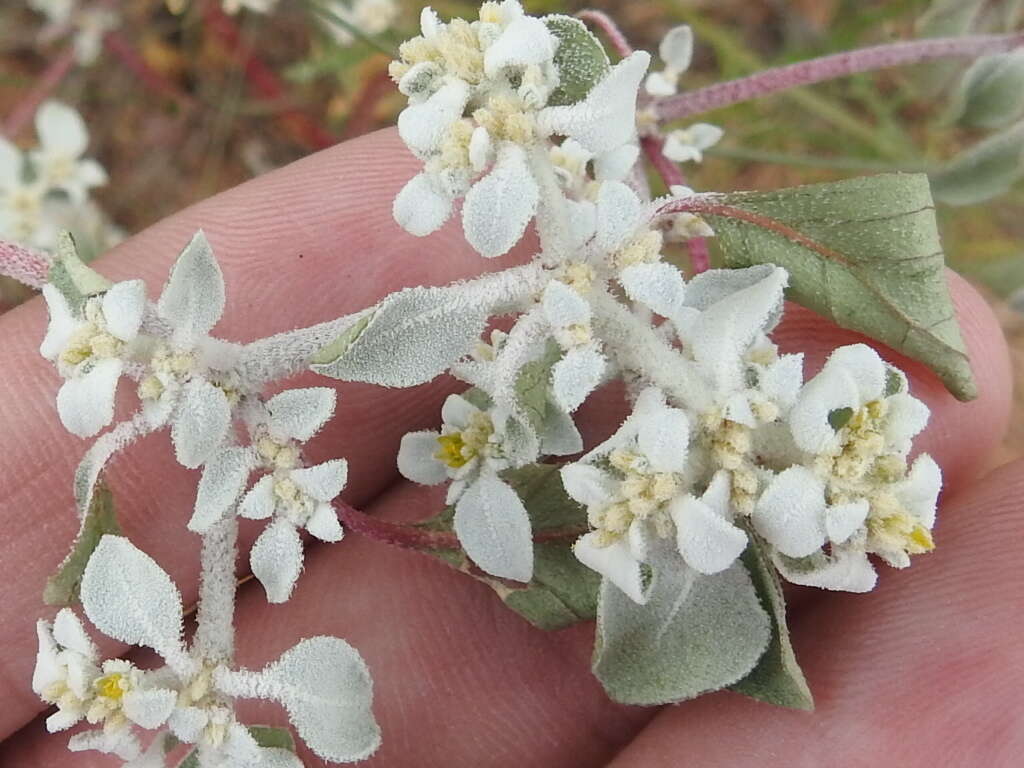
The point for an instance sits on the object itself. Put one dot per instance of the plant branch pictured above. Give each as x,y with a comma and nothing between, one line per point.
215,631
606,24
28,267
50,80
829,68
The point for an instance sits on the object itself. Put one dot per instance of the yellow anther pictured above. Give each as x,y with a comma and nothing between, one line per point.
644,249
490,13
451,452
111,686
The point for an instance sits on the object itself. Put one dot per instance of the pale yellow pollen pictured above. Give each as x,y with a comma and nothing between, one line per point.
112,686
507,118
643,249
577,275
578,334
459,448
455,147
890,526
490,13
150,388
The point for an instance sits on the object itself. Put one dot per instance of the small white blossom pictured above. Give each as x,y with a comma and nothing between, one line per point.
676,50
371,17
87,23
58,162
687,145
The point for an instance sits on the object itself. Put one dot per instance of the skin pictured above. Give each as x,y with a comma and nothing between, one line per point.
925,671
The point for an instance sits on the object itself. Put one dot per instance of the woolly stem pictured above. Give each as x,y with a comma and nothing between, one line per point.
24,265
51,78
215,633
829,68
606,24
654,148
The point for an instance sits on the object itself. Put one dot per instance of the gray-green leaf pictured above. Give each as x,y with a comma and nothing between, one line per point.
863,252
272,737
991,94
563,591
695,634
580,59
75,280
63,586
777,678
986,170
533,383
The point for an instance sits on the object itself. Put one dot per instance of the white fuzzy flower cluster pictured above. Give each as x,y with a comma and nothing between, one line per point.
45,191
85,23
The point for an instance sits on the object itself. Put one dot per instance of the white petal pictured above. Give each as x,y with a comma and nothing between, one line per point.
582,222
187,723
69,633
708,542
661,84
780,382
298,414
587,484
323,481
149,708
705,135
659,286
193,299
737,408
830,390
123,307
664,439
416,458
494,529
842,520
718,493
500,206
259,502
201,423
563,306
862,364
481,149
430,23
11,165
63,323
919,492
47,669
457,411
789,512
86,402
615,562
63,719
276,560
119,741
638,540
423,126
576,375
606,118
905,418
524,42
420,209
846,572
620,213
61,129
323,523
676,48
616,164
223,481
560,437
679,149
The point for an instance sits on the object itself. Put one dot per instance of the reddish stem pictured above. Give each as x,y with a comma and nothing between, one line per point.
654,148
51,78
132,60
263,81
829,68
24,265
606,24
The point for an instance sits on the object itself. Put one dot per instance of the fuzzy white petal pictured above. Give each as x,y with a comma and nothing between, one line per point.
659,286
661,84
259,502
430,22
417,461
676,48
563,306
619,214
457,411
298,414
705,135
845,572
615,562
905,419
481,149
780,382
420,209
61,129
276,560
864,366
47,669
588,485
708,542
62,326
324,481
560,437
149,708
616,164
193,299
842,520
423,126
222,483
11,164
123,307
919,492
576,375
69,632
494,529
85,402
118,741
201,422
789,512
663,438
582,222
524,42
499,207
187,723
323,523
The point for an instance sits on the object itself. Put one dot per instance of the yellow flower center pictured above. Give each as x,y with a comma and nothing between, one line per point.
110,686
451,452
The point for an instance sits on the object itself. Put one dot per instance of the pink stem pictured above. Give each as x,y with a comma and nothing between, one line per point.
605,23
52,77
26,266
829,68
654,146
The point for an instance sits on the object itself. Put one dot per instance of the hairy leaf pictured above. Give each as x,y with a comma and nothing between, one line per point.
72,277
563,591
340,345
533,383
580,59
991,94
986,170
272,737
695,634
62,587
777,678
863,252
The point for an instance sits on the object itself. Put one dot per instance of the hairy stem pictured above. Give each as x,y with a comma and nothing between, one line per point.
215,633
51,78
606,24
23,264
829,68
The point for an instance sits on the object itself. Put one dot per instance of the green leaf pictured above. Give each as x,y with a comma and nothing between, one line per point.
839,418
986,170
533,383
944,18
864,253
340,345
63,586
777,678
563,591
272,737
72,277
695,634
991,94
581,60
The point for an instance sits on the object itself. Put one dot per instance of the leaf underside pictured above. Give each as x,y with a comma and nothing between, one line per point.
62,588
864,253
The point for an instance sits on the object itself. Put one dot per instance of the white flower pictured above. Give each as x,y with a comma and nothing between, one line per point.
636,484
371,17
580,370
676,50
500,72
257,6
686,226
58,161
91,345
688,144
88,24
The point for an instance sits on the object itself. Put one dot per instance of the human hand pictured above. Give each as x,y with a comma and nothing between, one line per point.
926,670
